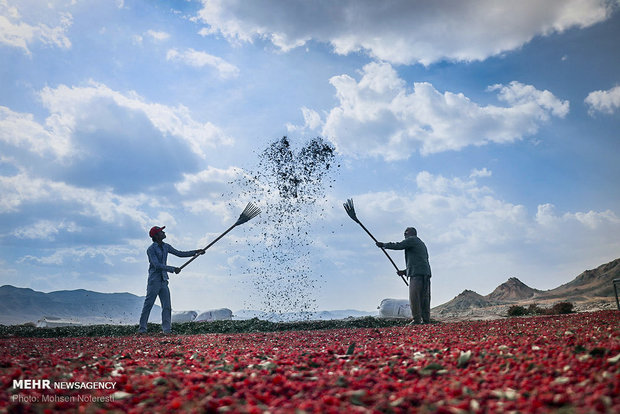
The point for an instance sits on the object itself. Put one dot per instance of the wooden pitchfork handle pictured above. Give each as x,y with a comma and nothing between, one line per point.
209,245
383,250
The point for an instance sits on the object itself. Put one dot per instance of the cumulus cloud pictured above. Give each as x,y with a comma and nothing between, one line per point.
312,121
23,189
207,177
219,208
45,229
404,31
199,59
606,102
517,94
21,31
480,173
69,105
107,254
21,130
158,35
380,116
100,137
549,219
469,229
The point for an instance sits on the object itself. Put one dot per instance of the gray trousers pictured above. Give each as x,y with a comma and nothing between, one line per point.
154,288
420,298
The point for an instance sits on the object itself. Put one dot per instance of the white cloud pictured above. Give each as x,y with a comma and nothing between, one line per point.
99,109
18,31
158,36
45,229
219,208
404,31
547,218
21,130
104,205
199,59
108,254
604,101
209,176
379,116
166,217
517,94
103,138
312,121
473,234
70,105
480,173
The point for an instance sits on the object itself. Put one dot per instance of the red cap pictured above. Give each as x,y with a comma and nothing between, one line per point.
155,230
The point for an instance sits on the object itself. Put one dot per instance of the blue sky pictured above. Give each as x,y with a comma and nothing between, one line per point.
490,128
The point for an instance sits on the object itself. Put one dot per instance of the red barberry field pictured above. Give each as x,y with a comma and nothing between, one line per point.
561,363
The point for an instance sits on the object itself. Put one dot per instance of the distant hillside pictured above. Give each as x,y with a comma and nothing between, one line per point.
590,286
467,299
511,291
20,305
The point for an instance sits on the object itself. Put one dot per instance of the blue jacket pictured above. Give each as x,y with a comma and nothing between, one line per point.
416,255
158,257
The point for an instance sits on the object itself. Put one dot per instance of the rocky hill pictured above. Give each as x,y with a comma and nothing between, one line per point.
468,299
589,285
592,289
511,291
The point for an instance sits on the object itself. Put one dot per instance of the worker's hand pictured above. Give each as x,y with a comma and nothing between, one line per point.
177,270
380,244
200,251
401,273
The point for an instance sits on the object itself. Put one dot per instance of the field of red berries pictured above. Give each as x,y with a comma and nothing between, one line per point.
566,363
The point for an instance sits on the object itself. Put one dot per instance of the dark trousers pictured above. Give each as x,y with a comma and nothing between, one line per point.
420,298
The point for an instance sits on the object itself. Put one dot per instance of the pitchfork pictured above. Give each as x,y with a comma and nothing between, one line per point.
247,214
350,209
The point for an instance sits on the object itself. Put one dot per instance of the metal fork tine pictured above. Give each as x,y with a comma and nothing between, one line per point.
248,213
350,209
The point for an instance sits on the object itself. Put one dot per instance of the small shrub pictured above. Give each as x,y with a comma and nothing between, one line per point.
533,309
516,310
561,308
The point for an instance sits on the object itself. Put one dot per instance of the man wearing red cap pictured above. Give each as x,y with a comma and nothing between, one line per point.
158,278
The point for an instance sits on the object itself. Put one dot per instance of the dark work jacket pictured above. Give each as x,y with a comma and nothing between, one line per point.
416,255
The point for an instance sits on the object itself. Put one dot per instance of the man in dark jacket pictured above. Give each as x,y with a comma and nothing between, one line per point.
157,284
419,274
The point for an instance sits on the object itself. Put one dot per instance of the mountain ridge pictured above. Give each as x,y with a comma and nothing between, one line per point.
589,286
21,305
512,289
